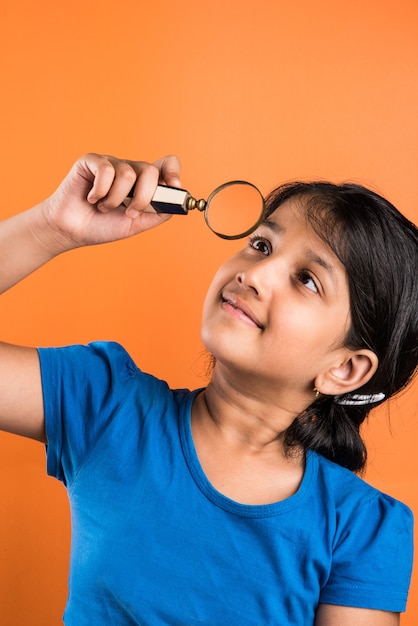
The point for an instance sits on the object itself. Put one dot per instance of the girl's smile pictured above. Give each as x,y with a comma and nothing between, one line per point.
239,309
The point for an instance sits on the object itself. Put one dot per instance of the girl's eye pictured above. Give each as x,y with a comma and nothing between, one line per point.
307,280
260,244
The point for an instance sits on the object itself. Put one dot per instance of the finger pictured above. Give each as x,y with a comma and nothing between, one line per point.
101,171
145,186
141,176
126,173
169,167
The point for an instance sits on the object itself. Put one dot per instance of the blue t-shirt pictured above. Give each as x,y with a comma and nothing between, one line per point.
153,543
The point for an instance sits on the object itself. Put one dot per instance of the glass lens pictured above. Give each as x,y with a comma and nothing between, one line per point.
234,209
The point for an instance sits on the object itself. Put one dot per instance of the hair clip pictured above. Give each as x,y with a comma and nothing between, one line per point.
359,400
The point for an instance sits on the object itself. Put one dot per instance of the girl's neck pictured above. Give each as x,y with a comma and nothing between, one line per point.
247,414
239,443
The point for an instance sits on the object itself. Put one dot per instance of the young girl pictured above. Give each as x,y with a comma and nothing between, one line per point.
236,504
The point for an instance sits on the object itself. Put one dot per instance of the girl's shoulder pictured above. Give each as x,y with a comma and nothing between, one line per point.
349,495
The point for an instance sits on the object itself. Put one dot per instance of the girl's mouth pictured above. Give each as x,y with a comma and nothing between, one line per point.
240,310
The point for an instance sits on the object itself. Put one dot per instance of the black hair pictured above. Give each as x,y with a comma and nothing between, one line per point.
378,247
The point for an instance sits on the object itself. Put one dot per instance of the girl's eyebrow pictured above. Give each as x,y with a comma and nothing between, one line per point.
315,258
272,226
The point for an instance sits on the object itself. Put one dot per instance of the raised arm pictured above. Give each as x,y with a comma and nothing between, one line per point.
329,615
89,207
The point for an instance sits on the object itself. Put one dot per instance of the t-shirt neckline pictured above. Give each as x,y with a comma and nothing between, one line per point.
222,501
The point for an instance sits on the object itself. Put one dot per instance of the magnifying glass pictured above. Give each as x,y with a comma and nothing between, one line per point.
232,211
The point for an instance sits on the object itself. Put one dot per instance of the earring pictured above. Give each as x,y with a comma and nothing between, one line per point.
316,392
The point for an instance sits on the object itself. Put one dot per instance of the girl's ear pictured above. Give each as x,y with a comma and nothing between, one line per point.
354,371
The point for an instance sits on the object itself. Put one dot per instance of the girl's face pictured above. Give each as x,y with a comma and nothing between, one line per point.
279,309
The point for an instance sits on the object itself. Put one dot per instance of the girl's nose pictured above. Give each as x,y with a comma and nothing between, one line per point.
243,279
260,277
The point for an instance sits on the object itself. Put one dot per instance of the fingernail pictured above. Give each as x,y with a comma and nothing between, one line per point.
133,213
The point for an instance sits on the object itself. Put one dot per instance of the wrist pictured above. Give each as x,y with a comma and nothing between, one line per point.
46,232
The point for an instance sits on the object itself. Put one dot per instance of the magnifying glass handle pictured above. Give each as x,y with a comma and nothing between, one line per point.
168,199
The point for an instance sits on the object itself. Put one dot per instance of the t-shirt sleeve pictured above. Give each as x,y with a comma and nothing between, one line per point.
372,557
83,387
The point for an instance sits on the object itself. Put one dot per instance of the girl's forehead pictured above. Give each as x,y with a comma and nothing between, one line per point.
317,218
295,216
297,205
294,211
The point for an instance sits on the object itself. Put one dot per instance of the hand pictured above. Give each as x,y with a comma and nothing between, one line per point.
90,205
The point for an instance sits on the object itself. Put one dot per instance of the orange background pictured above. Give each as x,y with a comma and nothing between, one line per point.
263,90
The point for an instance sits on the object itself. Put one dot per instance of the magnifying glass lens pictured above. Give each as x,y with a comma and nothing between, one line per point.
234,210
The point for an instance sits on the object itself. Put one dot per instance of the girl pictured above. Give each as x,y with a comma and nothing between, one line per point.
236,504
